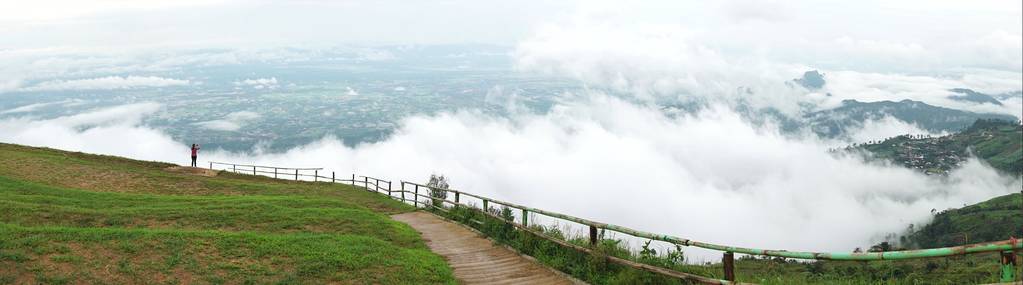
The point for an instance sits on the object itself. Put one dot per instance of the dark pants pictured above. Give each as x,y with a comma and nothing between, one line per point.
193,161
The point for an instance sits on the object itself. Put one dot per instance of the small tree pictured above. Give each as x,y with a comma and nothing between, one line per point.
437,186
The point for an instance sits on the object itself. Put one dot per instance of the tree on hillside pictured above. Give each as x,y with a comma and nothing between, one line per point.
437,186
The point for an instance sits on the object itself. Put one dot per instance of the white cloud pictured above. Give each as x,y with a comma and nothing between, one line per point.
9,84
350,92
36,106
613,161
651,61
123,115
884,128
507,100
232,122
113,130
108,83
219,125
259,83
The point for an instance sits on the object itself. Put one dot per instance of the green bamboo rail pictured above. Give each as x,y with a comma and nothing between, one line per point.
1005,247
865,256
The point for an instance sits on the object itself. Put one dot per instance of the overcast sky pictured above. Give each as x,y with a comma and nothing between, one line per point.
881,26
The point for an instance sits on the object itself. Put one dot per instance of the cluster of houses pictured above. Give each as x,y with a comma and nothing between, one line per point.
930,155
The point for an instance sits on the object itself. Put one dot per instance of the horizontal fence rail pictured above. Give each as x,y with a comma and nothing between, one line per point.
888,255
411,192
261,166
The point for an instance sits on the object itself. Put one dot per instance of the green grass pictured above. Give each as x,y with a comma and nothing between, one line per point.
146,254
34,204
79,218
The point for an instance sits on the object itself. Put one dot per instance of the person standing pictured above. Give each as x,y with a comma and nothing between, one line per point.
195,153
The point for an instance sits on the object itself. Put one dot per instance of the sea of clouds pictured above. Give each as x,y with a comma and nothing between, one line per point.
708,176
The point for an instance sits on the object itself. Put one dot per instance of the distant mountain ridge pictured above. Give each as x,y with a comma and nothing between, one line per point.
852,114
973,96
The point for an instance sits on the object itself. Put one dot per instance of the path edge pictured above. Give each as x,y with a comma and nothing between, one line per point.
512,249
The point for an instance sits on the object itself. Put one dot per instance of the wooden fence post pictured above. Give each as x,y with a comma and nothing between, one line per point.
253,170
456,197
234,168
1008,259
296,174
211,165
366,183
593,236
388,188
416,203
275,172
332,179
316,175
525,218
486,209
728,260
402,191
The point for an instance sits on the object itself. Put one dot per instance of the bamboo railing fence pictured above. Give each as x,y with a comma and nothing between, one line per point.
410,192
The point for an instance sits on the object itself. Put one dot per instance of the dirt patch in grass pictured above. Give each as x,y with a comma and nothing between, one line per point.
115,180
48,261
106,263
12,273
98,263
192,171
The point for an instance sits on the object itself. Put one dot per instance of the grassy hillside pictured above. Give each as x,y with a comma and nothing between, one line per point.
991,220
79,218
999,143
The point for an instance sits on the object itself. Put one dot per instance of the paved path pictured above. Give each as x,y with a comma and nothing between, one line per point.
477,260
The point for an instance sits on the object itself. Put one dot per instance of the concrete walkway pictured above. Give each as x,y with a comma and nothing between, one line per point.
475,259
